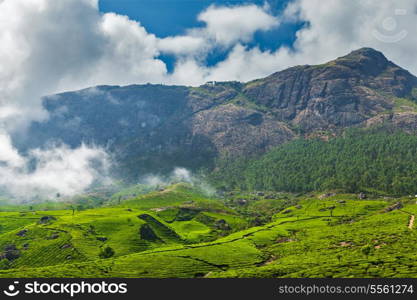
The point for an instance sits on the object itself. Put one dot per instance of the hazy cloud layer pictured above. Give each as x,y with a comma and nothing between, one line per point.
176,176
43,174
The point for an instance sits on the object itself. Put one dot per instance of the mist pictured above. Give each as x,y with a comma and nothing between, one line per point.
45,173
179,175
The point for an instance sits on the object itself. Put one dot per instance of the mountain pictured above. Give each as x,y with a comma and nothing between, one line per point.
155,127
341,93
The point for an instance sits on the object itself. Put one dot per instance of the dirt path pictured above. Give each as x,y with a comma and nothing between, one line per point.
411,222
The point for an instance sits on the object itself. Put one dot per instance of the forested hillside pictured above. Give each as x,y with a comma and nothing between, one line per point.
360,160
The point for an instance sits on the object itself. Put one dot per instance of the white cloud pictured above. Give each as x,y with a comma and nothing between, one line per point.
229,25
8,154
48,46
130,55
245,64
223,27
335,27
341,26
183,45
44,173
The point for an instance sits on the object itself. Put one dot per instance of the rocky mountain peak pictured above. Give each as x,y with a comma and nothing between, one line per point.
341,93
366,53
368,61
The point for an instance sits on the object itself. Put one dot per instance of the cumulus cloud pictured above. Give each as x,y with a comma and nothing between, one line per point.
130,55
48,46
245,64
333,28
340,26
184,45
224,26
69,44
8,154
228,25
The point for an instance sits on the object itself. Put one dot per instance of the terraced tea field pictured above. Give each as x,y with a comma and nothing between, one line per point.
178,232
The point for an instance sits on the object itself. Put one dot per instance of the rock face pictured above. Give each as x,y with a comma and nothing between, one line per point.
157,127
236,130
341,93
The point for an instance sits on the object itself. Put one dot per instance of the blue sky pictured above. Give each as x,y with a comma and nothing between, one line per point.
173,17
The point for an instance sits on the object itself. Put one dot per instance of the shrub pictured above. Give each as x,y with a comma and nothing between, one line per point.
106,252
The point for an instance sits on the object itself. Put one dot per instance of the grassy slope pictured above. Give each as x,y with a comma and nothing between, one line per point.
70,238
308,240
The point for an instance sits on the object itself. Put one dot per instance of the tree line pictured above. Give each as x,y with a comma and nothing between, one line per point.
359,160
